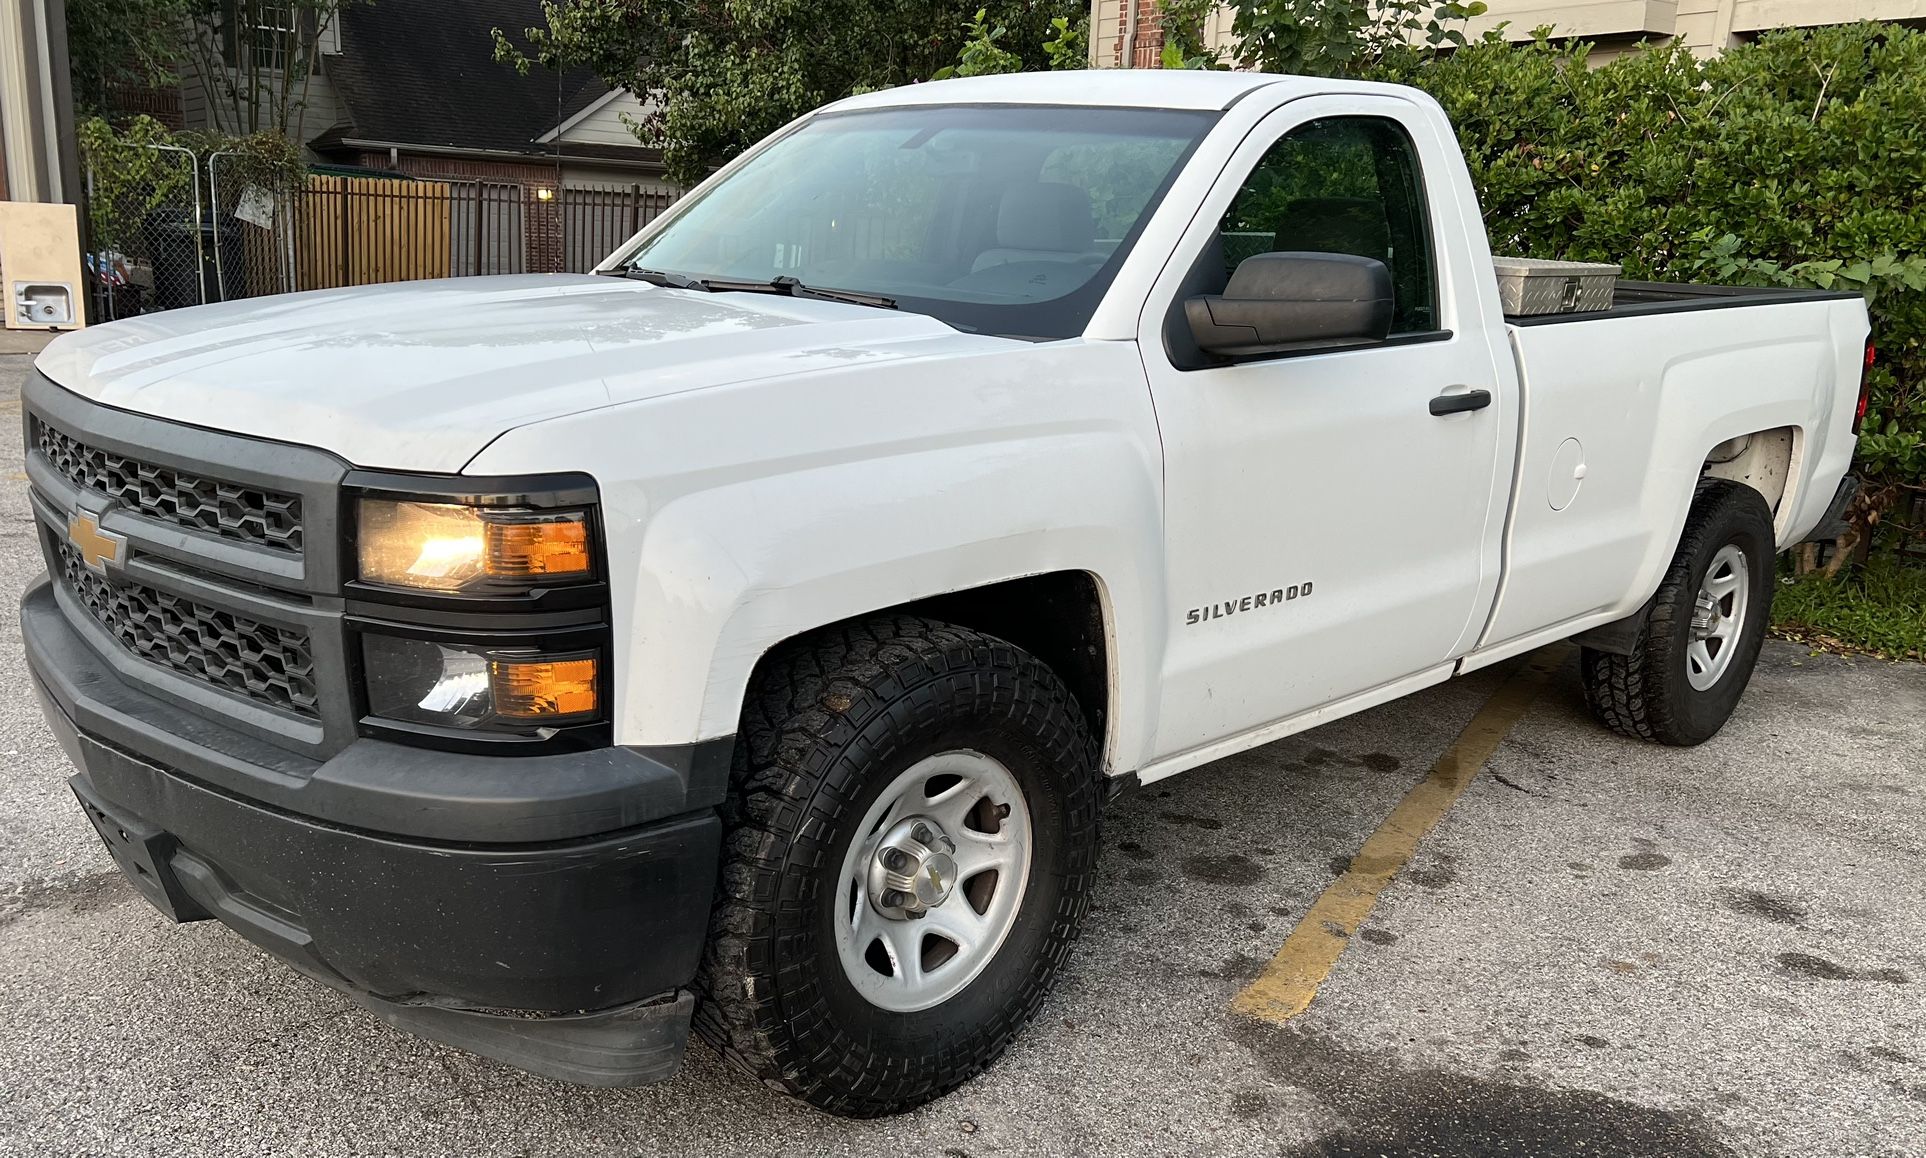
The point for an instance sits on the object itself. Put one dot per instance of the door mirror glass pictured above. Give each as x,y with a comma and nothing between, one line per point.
1279,302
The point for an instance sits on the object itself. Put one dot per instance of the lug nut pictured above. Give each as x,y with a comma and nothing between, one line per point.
922,833
896,860
893,899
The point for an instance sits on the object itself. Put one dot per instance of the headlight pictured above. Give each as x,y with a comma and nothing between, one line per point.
424,682
452,547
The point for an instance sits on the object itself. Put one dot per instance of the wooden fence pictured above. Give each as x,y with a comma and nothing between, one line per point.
365,230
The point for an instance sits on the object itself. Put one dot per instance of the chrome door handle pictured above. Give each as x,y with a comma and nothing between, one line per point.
1460,403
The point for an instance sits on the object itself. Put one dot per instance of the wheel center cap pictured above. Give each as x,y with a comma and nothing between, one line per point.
938,877
913,870
1705,616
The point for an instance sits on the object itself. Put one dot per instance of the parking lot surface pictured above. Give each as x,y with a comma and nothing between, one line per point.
1605,948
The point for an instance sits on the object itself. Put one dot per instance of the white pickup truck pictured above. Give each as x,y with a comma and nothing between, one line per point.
748,635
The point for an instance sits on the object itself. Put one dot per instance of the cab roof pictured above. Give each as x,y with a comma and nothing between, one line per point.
1148,88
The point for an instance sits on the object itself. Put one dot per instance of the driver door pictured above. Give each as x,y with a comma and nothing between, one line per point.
1327,535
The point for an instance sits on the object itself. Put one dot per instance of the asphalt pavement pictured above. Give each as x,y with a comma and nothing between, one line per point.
1606,948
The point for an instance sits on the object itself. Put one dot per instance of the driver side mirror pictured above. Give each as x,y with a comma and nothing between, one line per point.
1277,302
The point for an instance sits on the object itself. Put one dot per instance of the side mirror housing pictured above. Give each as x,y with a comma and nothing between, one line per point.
1278,302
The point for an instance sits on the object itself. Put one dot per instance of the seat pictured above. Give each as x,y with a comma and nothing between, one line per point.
1041,221
1353,225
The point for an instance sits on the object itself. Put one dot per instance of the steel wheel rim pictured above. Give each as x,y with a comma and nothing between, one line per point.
898,961
1718,617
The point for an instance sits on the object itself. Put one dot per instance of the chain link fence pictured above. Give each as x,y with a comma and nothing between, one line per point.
145,248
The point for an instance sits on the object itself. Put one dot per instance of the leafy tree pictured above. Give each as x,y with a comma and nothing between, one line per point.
1069,45
1344,37
724,73
121,43
255,59
982,54
1183,25
134,172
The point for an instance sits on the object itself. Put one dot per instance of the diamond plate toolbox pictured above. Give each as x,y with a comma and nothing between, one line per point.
1529,287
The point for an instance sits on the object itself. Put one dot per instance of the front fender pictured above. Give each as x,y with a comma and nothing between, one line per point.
745,515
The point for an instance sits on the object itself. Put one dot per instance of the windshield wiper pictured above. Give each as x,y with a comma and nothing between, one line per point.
661,278
785,285
790,287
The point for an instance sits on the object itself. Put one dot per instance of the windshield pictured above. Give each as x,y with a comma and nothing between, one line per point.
996,219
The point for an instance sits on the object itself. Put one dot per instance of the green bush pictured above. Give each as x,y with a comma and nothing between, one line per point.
1879,609
1797,160
140,166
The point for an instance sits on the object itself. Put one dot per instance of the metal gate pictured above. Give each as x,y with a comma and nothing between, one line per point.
252,233
144,248
173,230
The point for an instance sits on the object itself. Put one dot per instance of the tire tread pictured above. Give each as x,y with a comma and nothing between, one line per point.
802,731
1640,695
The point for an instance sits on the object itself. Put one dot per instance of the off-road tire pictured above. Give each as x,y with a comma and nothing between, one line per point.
1647,694
831,718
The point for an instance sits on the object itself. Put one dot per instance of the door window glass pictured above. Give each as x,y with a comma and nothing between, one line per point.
1342,185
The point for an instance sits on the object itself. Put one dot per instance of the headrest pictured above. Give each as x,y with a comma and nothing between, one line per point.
1047,215
1354,225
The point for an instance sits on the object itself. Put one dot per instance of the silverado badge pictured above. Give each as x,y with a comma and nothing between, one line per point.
97,547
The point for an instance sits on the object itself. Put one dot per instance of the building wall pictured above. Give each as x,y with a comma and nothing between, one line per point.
33,150
605,124
436,167
1706,26
534,172
580,173
321,112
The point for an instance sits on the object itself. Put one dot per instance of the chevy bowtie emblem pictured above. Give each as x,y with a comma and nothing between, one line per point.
97,547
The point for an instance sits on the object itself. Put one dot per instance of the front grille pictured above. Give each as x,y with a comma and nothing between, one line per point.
267,664
198,502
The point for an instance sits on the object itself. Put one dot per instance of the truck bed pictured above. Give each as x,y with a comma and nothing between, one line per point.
1644,298
1637,405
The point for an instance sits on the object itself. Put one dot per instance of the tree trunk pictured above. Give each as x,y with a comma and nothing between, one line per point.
1855,546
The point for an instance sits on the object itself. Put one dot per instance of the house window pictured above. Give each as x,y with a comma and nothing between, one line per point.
271,35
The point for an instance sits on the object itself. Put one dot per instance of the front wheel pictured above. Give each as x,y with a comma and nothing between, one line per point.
912,845
1703,629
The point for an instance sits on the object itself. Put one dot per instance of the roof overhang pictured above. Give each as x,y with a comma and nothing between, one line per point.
645,159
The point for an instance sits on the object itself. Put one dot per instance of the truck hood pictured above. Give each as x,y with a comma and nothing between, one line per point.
421,376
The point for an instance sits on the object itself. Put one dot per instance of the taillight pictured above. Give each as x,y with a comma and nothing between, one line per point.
1865,387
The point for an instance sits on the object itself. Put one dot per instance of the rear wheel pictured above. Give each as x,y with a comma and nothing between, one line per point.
1702,632
912,841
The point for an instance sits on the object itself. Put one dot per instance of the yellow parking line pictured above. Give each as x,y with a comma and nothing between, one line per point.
1291,980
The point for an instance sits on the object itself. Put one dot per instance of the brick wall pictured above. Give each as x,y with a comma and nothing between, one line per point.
542,229
164,105
1110,33
541,217
433,167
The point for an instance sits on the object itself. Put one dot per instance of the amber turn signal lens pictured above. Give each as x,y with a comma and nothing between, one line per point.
557,546
538,690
